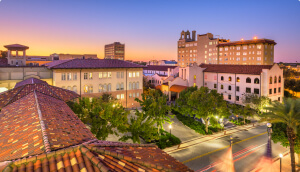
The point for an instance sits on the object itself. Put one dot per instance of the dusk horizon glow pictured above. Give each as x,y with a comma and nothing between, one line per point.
149,29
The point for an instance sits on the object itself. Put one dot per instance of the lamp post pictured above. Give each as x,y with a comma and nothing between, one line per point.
170,126
269,145
280,155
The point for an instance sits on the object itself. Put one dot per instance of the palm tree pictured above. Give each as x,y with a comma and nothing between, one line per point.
288,113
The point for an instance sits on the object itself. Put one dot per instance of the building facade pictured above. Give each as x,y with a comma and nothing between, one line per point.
234,82
208,49
93,77
72,56
115,50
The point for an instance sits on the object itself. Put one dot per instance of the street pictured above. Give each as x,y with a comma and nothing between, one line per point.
248,147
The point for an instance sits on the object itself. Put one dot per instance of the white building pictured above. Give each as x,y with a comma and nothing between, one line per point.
233,81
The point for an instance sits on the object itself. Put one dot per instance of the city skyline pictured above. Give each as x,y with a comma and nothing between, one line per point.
150,30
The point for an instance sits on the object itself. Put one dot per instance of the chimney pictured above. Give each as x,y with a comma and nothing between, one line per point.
193,35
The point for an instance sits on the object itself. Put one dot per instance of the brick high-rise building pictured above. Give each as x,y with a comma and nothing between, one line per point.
209,50
115,50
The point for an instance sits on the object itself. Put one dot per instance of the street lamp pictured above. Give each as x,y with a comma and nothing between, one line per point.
231,141
269,125
280,155
170,126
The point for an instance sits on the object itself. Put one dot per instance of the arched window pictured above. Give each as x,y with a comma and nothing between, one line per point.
238,79
256,81
229,78
100,89
85,88
279,79
248,80
91,89
104,88
275,79
133,85
75,88
69,88
137,85
63,87
130,85
222,78
270,79
109,87
222,86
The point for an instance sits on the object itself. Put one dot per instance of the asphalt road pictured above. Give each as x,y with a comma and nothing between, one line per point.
247,150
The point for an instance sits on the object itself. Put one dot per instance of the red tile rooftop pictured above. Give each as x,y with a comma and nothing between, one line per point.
237,69
91,64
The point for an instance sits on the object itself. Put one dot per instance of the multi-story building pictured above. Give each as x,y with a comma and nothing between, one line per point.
93,77
210,50
16,54
254,52
163,62
232,81
72,56
115,50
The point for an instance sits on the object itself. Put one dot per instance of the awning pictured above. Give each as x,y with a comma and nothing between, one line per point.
177,88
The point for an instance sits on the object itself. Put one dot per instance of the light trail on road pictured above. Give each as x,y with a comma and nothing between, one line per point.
236,156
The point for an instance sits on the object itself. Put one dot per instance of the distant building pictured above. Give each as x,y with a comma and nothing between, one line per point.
163,62
208,49
232,81
16,54
72,56
115,50
93,77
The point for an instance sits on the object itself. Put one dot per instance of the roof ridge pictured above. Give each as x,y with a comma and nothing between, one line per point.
64,61
9,101
43,128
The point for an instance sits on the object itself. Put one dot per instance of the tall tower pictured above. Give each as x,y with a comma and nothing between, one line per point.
115,50
16,54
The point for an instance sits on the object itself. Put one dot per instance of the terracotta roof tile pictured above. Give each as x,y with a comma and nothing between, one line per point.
237,69
81,158
177,88
91,64
26,87
22,131
30,81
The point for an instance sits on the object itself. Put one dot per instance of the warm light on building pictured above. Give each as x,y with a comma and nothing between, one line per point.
242,39
254,37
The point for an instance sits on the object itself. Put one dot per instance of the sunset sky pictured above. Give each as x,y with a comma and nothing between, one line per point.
150,29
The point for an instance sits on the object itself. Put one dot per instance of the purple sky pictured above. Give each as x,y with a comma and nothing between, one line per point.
149,28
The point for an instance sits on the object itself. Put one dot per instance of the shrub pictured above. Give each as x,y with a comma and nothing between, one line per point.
167,140
240,121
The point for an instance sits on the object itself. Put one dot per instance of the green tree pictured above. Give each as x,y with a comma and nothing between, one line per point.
102,117
181,104
256,102
244,111
141,126
287,113
206,103
154,106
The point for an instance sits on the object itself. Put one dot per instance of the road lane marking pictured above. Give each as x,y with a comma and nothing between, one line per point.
216,150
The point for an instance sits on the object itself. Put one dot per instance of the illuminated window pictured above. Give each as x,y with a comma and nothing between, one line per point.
259,47
229,78
258,58
108,74
69,76
137,74
122,96
256,81
100,75
238,48
130,74
238,79
270,82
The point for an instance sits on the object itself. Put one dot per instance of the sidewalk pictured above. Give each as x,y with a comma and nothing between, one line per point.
205,138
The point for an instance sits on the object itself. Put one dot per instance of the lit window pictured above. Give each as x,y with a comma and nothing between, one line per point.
258,58
238,79
130,74
229,79
100,75
69,76
238,48
137,74
259,47
256,81
118,96
258,52
122,96
104,74
108,74
90,75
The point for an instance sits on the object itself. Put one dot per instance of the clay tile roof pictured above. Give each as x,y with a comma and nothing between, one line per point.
38,123
159,67
3,62
16,46
237,69
91,64
27,86
101,156
177,88
30,81
245,42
